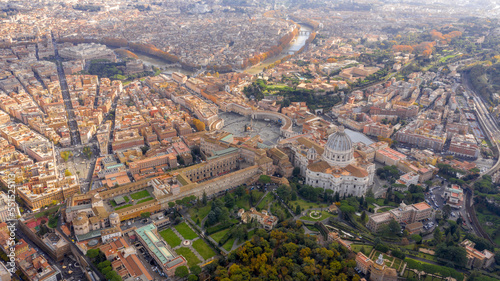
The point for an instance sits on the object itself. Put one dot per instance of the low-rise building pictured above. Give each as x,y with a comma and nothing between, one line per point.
477,259
165,257
267,221
403,214
454,196
415,228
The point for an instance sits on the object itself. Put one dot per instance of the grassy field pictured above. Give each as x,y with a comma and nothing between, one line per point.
304,205
199,213
259,195
124,206
268,199
140,194
203,249
218,235
229,244
380,202
47,212
444,59
357,248
191,258
381,210
170,237
145,200
243,202
324,215
186,231
426,256
312,228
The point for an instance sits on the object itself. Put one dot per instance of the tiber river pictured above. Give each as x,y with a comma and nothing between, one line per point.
299,42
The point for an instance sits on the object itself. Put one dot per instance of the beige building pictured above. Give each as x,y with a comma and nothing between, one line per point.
477,259
267,221
403,214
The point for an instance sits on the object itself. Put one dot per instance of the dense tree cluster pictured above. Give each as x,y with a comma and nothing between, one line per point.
273,51
287,254
103,265
260,87
126,53
389,173
200,126
485,185
152,50
485,79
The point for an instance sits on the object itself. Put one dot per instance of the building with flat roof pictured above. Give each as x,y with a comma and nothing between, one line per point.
90,51
165,257
408,214
475,258
454,196
124,260
7,212
4,273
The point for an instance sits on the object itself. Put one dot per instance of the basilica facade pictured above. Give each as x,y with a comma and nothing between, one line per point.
336,166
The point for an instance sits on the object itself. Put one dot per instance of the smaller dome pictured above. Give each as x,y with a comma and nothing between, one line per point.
113,215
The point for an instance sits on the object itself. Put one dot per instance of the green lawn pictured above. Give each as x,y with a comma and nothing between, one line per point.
203,249
324,215
170,237
218,235
112,202
304,205
251,233
265,202
259,195
229,244
191,258
382,210
124,206
47,212
243,202
186,231
426,256
357,248
444,59
380,202
145,200
199,213
312,228
140,194
126,198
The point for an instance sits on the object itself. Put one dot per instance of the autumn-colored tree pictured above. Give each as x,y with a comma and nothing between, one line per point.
435,35
402,48
200,126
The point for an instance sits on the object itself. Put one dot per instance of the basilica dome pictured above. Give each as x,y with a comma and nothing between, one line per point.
338,149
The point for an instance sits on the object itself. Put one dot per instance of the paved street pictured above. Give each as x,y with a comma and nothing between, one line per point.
75,136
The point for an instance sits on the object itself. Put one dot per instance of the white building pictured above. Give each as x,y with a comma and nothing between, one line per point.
5,213
339,170
408,179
